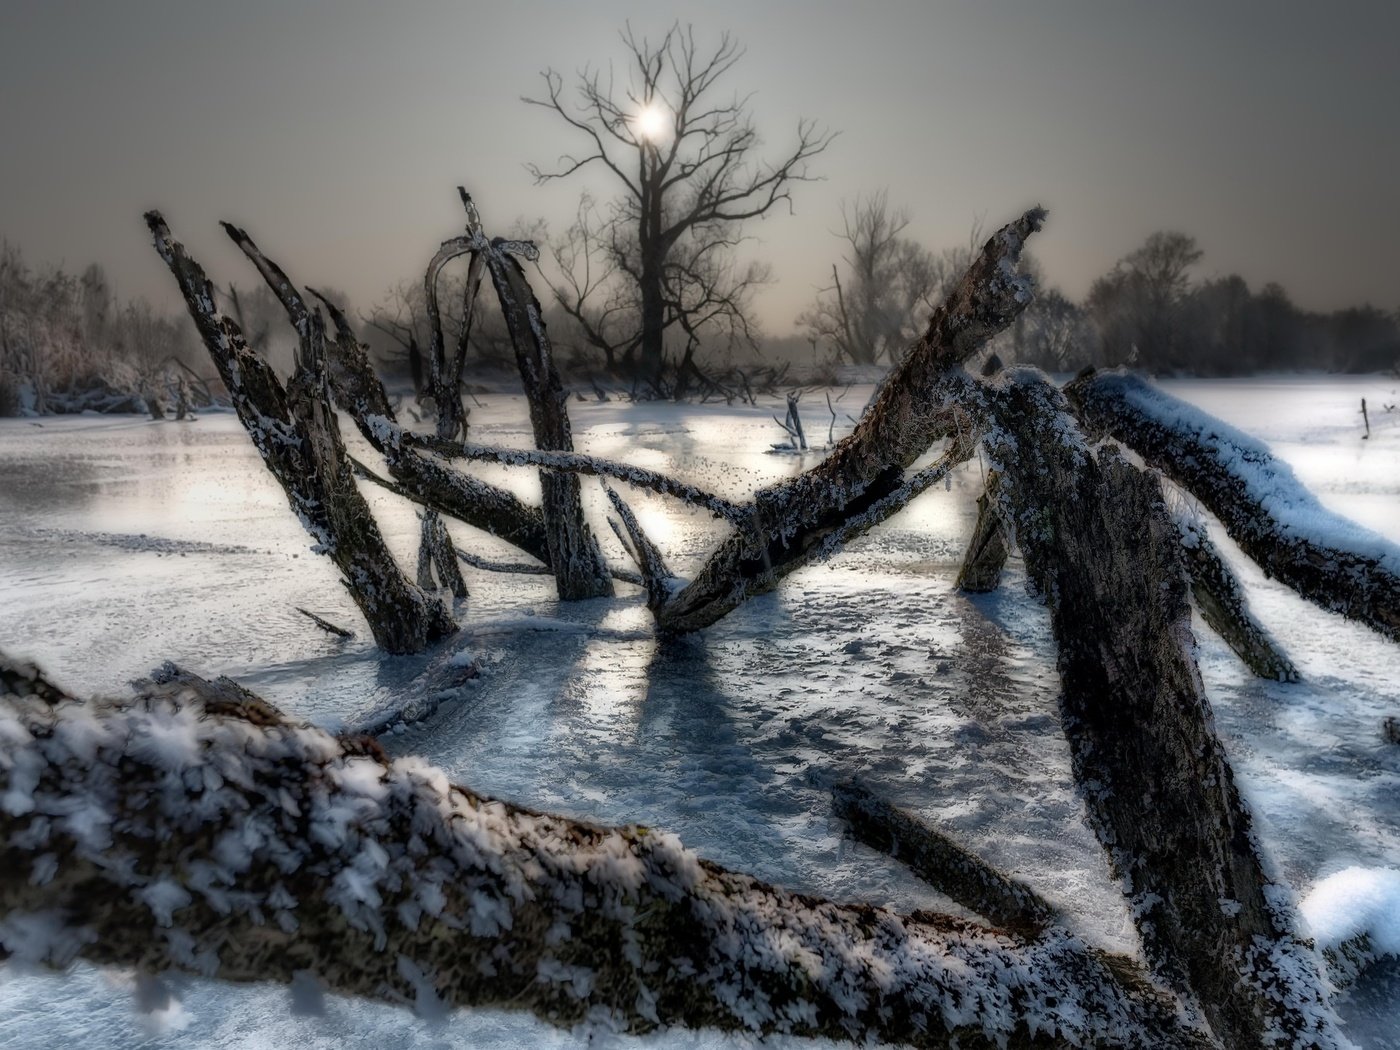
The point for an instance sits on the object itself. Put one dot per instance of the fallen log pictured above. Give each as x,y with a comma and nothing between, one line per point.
1327,559
296,433
222,839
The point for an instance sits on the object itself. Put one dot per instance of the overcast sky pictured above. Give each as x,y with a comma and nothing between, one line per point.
337,131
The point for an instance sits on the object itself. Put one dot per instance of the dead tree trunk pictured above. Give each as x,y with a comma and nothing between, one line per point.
295,431
1278,523
423,478
221,839
1101,546
1225,609
792,520
579,568
987,550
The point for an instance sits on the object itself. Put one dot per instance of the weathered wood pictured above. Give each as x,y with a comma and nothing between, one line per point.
423,478
1327,559
793,520
436,553
1101,546
952,870
296,433
246,847
580,570
987,550
579,463
1224,607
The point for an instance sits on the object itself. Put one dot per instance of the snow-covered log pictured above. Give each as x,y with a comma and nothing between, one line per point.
296,432
1102,547
189,831
793,520
1326,558
987,550
1225,609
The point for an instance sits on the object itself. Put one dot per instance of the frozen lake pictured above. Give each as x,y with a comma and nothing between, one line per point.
124,543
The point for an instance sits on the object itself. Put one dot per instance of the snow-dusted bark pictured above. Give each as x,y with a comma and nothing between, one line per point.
424,478
296,432
196,829
987,549
579,463
580,570
1102,547
651,564
1326,558
1224,607
794,521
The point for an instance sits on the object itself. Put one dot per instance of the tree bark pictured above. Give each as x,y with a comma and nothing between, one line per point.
1327,559
296,432
220,838
426,479
436,552
579,568
1101,546
987,550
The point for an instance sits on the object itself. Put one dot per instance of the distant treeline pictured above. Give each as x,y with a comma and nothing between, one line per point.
67,344
1148,312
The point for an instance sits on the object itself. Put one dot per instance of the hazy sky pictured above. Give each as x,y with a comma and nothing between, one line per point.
337,131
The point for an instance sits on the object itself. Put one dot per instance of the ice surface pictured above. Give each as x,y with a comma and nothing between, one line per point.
869,663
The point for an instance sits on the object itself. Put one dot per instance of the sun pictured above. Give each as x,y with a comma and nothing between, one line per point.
652,122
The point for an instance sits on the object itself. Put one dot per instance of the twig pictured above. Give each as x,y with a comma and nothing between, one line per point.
325,625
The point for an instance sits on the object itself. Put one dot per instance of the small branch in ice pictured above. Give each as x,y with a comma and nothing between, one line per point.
325,625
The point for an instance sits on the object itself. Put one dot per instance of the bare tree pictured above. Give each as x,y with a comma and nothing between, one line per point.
890,285
659,256
1137,305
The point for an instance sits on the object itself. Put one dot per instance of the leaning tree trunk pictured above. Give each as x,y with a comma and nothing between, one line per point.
1225,609
296,432
793,521
579,568
219,838
1102,547
987,550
